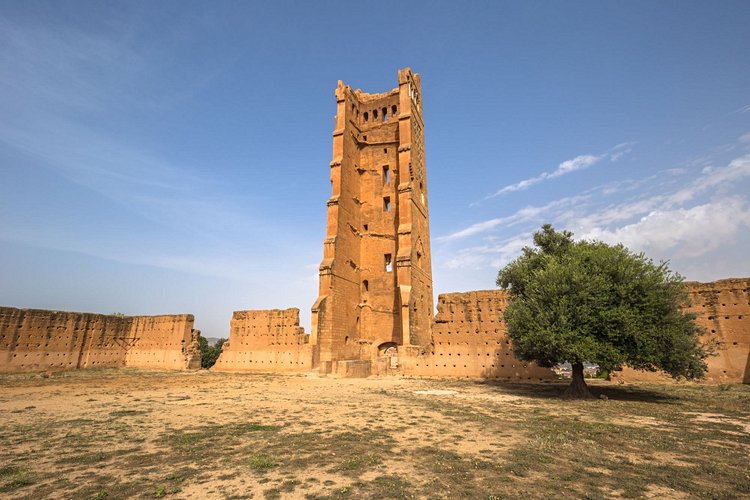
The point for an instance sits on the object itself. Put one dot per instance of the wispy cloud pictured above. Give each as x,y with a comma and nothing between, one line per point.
523,215
741,109
685,213
494,255
580,162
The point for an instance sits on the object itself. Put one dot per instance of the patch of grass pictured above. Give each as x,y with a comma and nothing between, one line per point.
272,493
289,485
85,458
13,477
358,461
261,462
127,413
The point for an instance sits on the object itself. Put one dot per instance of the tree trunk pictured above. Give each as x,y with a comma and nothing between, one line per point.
578,388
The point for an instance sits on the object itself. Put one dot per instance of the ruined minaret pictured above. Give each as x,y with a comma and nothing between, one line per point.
376,274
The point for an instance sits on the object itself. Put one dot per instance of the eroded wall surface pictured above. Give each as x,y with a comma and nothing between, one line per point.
266,340
470,340
723,310
162,342
375,276
37,340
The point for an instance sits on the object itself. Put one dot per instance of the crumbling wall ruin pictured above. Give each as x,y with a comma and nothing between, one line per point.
266,340
39,340
723,310
469,339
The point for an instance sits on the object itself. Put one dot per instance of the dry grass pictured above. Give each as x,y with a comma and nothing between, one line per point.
114,434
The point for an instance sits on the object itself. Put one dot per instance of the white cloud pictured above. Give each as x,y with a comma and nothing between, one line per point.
741,109
745,138
672,214
712,178
683,232
580,162
523,215
577,163
494,256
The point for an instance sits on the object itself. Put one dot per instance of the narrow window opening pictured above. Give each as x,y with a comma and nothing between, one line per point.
385,150
388,263
367,117
394,109
346,339
364,137
387,203
385,114
365,227
374,114
386,175
357,113
419,259
365,286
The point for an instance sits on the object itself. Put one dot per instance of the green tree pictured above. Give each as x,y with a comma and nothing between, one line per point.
209,353
586,301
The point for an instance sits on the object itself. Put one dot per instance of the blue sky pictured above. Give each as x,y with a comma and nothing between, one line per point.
169,157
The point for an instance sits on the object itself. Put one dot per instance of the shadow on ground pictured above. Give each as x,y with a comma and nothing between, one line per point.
555,390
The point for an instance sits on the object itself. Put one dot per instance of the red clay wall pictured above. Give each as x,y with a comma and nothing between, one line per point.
469,340
36,340
269,340
160,342
723,309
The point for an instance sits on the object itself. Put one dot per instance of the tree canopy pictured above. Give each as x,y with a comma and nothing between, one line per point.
586,301
209,353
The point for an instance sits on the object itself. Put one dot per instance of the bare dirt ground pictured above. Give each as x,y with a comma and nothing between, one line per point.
129,433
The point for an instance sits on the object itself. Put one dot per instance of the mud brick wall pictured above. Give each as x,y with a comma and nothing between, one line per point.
160,341
469,340
38,340
266,340
723,309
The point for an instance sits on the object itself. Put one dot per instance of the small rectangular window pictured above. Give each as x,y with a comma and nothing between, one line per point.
386,175
387,203
388,263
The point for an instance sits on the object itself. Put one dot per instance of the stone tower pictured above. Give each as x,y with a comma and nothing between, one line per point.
376,275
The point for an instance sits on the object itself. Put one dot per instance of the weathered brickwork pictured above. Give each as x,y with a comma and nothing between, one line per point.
723,309
376,274
470,340
269,340
37,340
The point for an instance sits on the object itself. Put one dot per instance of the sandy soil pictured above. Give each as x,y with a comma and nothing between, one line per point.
111,434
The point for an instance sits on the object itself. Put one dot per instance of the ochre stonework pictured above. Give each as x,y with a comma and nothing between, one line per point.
374,311
38,340
469,339
723,310
266,341
376,275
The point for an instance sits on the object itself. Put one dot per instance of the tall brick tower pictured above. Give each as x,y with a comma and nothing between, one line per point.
376,275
